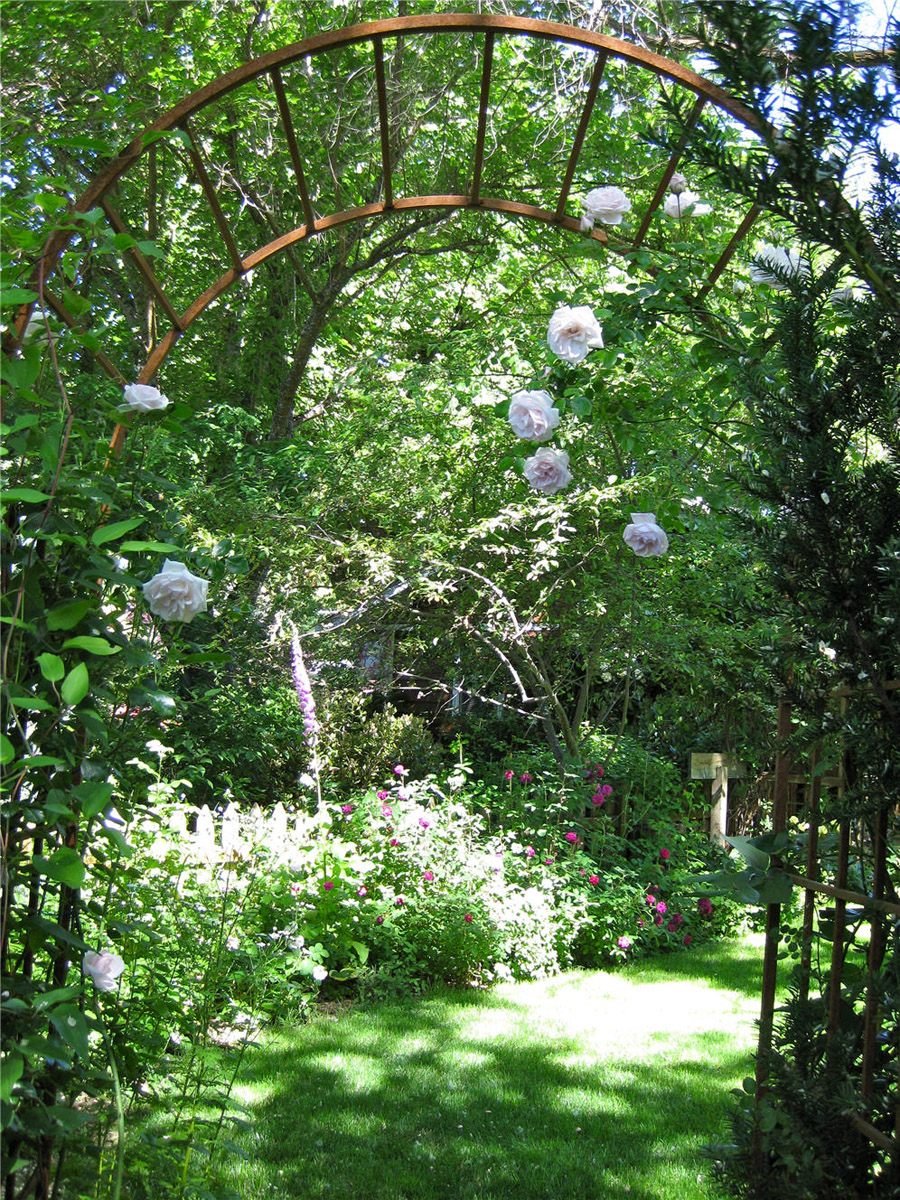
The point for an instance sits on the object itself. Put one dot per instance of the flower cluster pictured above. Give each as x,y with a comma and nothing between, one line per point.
304,690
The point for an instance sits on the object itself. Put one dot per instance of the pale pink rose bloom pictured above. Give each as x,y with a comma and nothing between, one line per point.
548,470
645,537
142,398
573,333
685,204
175,594
104,969
532,415
607,204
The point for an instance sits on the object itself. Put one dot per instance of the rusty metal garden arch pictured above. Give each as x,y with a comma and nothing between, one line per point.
270,67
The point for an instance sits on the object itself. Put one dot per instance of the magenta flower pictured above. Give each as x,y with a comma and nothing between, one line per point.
657,919
583,871
651,900
399,901
383,795
394,842
548,862
704,904
594,879
468,918
296,889
664,854
386,811
507,775
428,875
526,778
678,919
624,943
662,907
399,769
346,809
571,837
379,920
423,822
672,926
598,799
606,791
328,885
362,891
687,939
641,922
529,851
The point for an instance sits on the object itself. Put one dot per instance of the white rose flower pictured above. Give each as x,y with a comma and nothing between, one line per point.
104,969
319,973
548,470
685,204
678,183
140,397
645,537
532,415
175,594
768,260
740,287
607,204
573,332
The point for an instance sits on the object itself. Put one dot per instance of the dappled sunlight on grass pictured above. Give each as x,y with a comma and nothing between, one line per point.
596,1084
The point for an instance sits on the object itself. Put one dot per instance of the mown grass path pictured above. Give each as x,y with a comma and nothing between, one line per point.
589,1084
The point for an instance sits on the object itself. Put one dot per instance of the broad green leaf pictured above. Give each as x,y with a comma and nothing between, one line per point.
31,703
752,855
109,533
13,1066
23,495
76,685
64,865
154,547
94,797
69,1023
14,297
776,888
52,667
93,645
67,616
7,750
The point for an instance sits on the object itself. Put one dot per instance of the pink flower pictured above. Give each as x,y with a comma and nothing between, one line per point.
468,918
678,919
672,926
394,842
641,922
664,854
704,904
429,875
399,769
362,891
606,791
103,968
529,851
687,939
399,902
583,871
598,799
657,919
383,795
571,837
526,778
386,810
594,879
662,907
651,900
328,885
346,809
624,943
379,920
548,862
296,888
507,775
423,822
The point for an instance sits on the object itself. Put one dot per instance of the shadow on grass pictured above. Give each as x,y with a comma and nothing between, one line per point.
463,1095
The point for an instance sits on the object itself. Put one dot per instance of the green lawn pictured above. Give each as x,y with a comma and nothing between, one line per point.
588,1084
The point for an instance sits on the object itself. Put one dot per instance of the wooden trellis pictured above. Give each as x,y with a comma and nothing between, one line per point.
276,76
878,909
